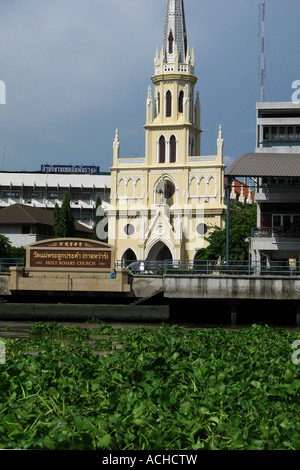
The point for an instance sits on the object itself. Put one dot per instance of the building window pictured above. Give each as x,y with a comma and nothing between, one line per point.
201,229
173,149
158,103
25,229
129,230
282,133
180,102
274,133
162,150
266,133
169,189
170,39
168,104
192,146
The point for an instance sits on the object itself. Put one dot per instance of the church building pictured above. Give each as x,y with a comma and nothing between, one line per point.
163,205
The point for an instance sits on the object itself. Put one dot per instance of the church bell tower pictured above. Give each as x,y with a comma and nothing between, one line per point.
174,111
165,203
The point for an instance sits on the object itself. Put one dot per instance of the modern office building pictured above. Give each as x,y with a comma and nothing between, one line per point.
277,127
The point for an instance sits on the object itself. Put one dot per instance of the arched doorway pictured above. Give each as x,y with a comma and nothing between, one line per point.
128,257
159,252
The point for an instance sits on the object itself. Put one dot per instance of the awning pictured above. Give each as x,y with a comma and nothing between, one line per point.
253,165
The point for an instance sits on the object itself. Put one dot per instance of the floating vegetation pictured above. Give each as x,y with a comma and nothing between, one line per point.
162,388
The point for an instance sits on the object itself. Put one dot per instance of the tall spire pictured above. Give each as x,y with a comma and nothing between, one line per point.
175,36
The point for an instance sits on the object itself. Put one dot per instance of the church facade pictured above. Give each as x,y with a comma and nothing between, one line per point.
163,205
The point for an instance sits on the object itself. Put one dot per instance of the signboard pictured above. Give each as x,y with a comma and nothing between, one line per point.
71,169
70,253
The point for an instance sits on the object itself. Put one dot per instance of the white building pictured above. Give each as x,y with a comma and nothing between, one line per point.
275,167
277,127
44,190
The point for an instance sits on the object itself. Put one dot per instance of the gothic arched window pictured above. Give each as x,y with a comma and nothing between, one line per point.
170,39
180,102
158,103
162,150
168,104
173,149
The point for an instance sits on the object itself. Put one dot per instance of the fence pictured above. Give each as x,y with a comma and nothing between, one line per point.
211,267
276,232
6,263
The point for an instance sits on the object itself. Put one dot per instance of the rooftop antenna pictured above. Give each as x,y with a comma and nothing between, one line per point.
262,72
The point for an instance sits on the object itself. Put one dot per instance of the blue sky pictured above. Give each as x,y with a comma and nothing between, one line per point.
75,70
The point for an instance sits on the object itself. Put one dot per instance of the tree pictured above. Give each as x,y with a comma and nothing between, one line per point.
66,217
9,251
57,230
63,220
5,247
242,219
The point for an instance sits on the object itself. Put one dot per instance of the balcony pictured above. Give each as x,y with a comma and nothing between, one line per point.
276,232
285,241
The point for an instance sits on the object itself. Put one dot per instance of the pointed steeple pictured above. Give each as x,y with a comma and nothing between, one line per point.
175,52
175,32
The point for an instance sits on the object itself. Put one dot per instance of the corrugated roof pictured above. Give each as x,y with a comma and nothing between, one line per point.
266,164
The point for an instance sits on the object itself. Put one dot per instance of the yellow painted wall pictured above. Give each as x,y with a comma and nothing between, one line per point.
139,219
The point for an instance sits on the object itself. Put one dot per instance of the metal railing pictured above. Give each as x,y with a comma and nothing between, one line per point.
276,232
212,267
6,263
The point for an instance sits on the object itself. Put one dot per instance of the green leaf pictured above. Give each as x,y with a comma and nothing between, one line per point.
203,411
255,384
103,442
82,423
49,443
220,388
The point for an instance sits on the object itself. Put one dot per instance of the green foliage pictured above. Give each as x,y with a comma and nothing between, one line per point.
242,219
57,229
18,252
167,388
63,220
5,247
9,251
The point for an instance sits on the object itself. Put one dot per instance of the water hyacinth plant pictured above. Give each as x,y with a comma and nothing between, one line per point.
160,388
